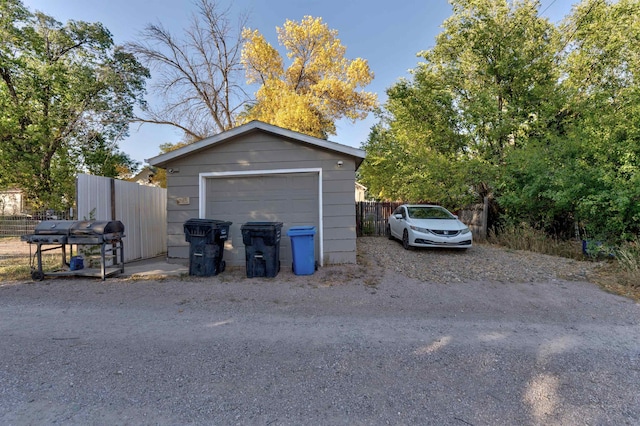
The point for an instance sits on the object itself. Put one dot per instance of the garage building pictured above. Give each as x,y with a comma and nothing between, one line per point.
256,173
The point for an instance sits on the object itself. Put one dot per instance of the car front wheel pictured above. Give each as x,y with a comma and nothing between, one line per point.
405,240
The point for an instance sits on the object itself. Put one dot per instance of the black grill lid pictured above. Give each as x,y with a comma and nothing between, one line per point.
54,227
79,227
96,227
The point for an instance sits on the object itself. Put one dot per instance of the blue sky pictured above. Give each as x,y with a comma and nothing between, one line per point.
386,33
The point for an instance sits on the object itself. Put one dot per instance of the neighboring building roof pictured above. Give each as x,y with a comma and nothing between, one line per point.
163,159
144,177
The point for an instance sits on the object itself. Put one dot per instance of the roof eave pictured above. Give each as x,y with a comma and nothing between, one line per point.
163,159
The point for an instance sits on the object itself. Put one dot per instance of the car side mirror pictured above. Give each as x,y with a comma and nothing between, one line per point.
398,216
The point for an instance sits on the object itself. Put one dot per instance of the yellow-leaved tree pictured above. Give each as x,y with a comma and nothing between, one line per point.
319,87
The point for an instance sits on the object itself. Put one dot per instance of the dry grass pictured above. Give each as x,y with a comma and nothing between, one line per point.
619,275
616,281
15,262
18,268
622,276
527,238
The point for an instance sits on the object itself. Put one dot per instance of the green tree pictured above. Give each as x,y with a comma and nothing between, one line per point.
602,68
479,93
586,170
60,86
103,158
545,119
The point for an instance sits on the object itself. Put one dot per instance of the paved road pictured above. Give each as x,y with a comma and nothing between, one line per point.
214,351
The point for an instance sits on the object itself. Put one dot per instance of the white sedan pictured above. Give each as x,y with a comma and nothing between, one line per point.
425,225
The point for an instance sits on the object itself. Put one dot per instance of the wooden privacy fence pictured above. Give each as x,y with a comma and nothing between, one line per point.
476,218
371,218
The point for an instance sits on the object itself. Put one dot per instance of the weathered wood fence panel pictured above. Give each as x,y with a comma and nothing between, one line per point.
142,210
476,217
371,217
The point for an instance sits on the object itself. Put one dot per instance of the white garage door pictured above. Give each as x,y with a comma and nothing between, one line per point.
288,198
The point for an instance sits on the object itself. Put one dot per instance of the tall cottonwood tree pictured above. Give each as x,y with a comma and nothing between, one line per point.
197,76
59,84
543,118
587,171
477,94
319,87
607,43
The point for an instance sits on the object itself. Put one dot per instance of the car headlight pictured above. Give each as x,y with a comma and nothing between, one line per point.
464,231
417,228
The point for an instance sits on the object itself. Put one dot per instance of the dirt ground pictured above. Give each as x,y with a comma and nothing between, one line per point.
12,246
382,342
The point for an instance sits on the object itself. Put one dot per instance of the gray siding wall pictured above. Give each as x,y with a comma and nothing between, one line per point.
263,151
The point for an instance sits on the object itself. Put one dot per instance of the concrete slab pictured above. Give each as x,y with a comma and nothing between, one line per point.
156,267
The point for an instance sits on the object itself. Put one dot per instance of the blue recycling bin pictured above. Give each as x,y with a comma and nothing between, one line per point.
303,249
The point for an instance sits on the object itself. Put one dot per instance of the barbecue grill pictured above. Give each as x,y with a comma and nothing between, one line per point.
62,233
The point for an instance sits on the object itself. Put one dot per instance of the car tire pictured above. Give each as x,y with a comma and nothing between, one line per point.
405,240
389,233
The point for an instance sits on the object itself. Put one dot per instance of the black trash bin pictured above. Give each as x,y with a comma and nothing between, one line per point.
262,248
206,248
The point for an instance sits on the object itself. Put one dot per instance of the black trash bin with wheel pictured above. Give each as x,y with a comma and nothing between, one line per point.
262,248
206,248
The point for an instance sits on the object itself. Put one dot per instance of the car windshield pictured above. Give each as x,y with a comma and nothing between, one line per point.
431,212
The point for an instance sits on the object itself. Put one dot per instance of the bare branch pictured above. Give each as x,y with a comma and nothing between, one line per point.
186,130
197,76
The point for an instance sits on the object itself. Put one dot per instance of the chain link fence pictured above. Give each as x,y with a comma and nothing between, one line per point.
25,223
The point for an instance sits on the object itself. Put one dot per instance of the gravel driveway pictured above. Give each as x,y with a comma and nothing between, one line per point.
482,337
